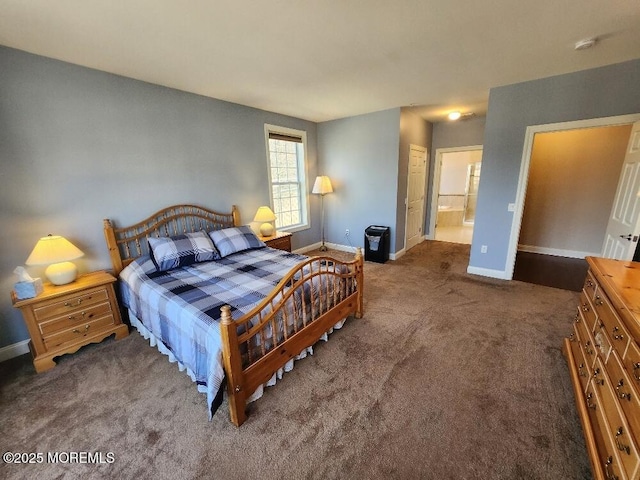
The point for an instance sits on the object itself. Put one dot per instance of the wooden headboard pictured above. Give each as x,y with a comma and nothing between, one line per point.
125,244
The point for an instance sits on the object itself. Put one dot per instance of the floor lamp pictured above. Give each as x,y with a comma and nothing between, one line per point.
321,187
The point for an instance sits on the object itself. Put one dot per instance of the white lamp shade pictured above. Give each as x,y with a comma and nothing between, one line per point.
264,214
56,251
322,185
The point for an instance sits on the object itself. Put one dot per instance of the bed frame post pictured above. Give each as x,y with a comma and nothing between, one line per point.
112,246
233,367
236,215
360,279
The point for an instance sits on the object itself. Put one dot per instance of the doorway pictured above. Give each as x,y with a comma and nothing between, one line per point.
518,223
456,180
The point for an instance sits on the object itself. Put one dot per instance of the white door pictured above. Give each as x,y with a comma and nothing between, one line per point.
624,222
415,195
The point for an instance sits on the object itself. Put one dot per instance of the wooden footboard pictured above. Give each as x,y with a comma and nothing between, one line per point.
310,300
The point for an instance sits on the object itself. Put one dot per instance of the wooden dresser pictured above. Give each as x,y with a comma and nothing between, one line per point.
64,318
603,354
279,240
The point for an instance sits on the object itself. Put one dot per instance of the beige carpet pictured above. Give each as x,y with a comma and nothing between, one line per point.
448,376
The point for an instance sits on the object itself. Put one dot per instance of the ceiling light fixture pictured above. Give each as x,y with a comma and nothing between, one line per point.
454,115
585,43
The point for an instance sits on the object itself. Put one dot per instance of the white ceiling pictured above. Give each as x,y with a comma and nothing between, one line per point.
326,59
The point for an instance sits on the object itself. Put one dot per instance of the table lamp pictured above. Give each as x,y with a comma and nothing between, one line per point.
265,216
56,251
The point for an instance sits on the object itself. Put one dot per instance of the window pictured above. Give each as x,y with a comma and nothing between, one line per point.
286,154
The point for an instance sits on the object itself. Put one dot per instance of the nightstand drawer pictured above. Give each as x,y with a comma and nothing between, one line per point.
74,318
82,330
283,243
70,303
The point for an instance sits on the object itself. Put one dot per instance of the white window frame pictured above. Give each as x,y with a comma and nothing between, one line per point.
302,174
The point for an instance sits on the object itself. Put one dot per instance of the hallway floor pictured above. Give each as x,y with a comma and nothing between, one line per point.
462,234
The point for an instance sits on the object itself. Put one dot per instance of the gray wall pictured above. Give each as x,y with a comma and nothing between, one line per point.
360,155
414,130
595,93
463,133
78,145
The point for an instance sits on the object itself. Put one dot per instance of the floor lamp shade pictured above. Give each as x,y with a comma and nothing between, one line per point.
321,187
56,252
265,216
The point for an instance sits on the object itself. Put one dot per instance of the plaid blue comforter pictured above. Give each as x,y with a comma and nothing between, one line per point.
180,309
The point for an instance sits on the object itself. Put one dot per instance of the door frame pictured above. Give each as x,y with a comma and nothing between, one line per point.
406,197
435,186
523,178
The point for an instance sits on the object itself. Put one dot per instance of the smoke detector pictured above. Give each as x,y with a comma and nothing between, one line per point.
585,43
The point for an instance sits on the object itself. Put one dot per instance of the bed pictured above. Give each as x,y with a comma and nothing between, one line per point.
244,317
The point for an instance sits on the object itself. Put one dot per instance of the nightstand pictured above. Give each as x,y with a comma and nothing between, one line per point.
64,318
280,240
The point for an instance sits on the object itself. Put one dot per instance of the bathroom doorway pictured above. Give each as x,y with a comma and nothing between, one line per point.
455,195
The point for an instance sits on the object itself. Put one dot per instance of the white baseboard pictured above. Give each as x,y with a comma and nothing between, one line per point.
343,248
488,272
557,252
15,350
397,255
308,248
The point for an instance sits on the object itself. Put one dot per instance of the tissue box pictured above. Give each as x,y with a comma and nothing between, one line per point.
28,289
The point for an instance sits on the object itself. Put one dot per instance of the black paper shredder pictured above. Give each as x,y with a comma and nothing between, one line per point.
376,243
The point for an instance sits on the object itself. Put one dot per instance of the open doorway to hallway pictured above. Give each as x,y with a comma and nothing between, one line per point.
456,181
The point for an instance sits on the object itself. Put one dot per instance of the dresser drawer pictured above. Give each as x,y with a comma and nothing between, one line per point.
607,457
611,324
74,318
584,370
70,303
587,310
589,287
617,425
626,392
587,343
631,362
81,330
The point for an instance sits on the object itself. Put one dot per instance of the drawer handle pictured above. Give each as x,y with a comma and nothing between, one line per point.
581,372
577,317
589,283
70,304
607,464
620,445
572,337
86,328
589,404
636,367
587,347
585,307
620,393
617,336
599,381
73,317
599,301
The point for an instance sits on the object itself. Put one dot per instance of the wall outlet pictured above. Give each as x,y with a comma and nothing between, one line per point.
347,232
483,249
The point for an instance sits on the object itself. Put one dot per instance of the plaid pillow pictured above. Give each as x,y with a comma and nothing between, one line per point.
168,253
235,239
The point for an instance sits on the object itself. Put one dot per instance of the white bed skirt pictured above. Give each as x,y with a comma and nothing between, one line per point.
153,341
